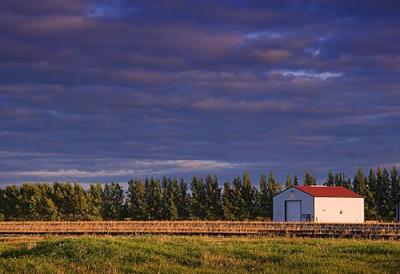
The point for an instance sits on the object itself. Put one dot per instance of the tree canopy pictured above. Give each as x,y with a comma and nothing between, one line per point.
172,199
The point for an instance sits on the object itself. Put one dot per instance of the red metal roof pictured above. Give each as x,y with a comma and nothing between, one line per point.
328,191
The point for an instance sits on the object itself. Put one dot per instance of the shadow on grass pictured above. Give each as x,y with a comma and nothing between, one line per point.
81,250
41,249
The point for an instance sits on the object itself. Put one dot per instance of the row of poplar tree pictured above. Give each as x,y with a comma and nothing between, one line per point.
171,199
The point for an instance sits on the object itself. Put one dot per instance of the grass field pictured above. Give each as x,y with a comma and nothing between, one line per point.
197,254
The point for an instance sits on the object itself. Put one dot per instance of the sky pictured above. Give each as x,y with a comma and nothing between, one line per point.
110,90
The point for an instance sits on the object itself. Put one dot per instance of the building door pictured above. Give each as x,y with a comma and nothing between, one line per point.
292,211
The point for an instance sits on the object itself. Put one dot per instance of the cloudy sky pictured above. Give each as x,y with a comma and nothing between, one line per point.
113,89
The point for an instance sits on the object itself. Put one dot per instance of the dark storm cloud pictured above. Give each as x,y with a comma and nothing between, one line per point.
110,89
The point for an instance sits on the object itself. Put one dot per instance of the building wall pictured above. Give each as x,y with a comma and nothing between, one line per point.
339,210
292,194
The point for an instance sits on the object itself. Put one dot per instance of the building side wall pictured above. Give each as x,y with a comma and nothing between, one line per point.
292,194
339,210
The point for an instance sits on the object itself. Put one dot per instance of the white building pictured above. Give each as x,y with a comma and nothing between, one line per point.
322,204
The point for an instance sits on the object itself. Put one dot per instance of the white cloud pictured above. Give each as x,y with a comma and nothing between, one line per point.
221,104
313,51
8,154
204,165
272,34
74,173
307,74
109,9
140,167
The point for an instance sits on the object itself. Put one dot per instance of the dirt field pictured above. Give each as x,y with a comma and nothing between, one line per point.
367,230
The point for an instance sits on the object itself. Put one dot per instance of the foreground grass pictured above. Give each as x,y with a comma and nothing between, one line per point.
176,254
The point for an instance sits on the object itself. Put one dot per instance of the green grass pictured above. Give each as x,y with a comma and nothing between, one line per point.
176,254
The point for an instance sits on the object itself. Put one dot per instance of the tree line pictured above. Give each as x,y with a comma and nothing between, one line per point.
172,199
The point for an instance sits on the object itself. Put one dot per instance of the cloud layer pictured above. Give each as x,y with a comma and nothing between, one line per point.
91,90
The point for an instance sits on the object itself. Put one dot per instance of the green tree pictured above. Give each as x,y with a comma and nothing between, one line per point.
263,199
27,203
331,179
360,186
296,180
94,200
12,201
182,200
198,198
45,209
213,207
273,188
136,200
169,209
309,179
112,202
239,204
288,183
341,180
372,201
360,183
78,203
385,191
227,202
154,199
380,195
3,204
249,197
348,184
394,192
62,197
